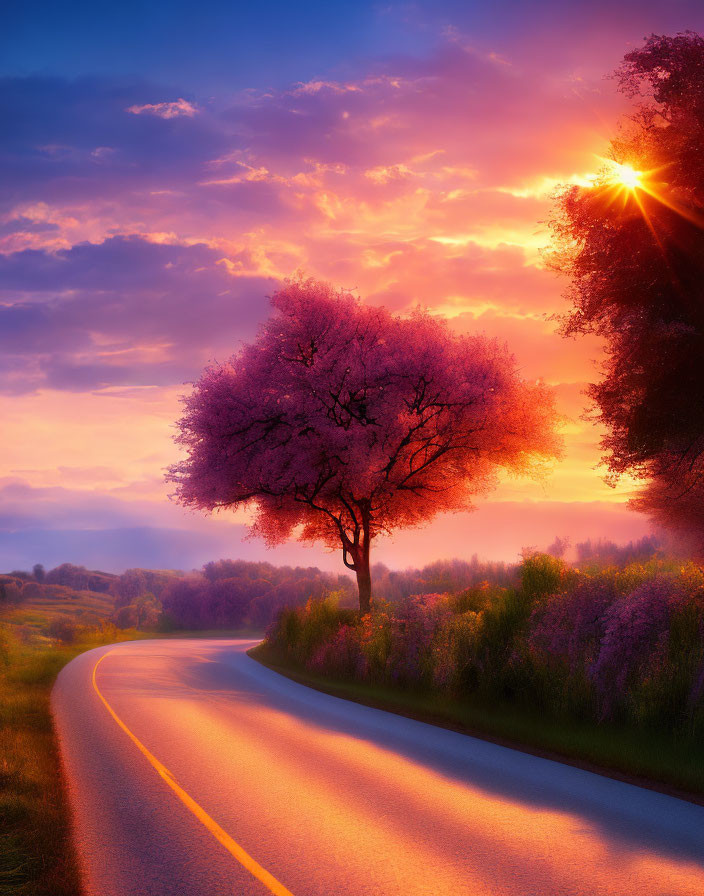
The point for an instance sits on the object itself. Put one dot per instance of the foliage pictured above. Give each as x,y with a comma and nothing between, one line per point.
36,853
636,263
228,594
304,630
342,422
604,552
144,613
601,644
441,577
542,575
77,577
10,589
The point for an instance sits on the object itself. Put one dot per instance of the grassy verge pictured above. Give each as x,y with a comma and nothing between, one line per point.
36,855
655,760
36,852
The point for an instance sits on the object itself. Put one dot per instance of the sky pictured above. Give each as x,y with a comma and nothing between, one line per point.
164,166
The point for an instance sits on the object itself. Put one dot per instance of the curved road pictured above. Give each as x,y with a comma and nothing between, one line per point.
194,770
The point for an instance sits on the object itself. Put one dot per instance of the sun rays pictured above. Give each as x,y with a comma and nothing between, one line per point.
623,182
627,177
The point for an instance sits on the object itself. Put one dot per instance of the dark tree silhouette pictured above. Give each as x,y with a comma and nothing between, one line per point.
633,246
342,422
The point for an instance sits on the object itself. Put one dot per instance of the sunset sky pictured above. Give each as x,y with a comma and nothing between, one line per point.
163,168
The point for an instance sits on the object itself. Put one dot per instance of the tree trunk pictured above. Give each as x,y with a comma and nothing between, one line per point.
364,584
358,550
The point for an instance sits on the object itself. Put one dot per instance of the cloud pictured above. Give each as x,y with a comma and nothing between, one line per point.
70,142
415,123
24,224
26,507
165,110
504,120
127,311
140,238
53,525
114,550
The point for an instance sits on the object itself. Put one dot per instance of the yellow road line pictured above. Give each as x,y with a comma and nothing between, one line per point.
254,868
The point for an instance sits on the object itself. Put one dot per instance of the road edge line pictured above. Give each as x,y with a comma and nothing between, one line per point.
235,850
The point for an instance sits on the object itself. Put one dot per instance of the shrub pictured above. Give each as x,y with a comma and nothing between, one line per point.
375,640
413,629
455,653
570,625
63,630
303,630
671,695
476,598
636,655
609,643
5,645
341,655
10,589
503,624
563,639
542,575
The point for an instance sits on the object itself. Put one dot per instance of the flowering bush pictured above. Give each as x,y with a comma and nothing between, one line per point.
636,648
455,653
602,644
375,638
569,627
413,630
302,631
542,575
340,656
564,635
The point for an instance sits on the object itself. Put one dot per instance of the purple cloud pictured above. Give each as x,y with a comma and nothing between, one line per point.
122,312
23,224
76,140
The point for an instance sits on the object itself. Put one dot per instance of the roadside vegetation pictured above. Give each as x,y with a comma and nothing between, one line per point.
46,619
49,617
601,664
37,638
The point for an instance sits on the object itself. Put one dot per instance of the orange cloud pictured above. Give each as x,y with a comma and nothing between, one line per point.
421,184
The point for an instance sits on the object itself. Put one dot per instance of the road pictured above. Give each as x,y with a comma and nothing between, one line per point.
194,770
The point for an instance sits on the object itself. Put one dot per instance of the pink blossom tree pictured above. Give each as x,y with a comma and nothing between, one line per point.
342,422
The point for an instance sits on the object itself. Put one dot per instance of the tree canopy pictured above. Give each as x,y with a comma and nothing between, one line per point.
342,422
633,245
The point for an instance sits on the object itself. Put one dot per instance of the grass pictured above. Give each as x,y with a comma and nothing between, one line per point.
36,853
656,760
34,614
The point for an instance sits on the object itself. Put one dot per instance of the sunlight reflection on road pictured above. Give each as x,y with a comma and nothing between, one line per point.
330,806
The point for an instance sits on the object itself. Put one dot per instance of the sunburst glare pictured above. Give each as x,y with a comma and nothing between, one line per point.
627,176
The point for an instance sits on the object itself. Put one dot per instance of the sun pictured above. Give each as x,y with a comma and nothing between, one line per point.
627,176
619,181
622,179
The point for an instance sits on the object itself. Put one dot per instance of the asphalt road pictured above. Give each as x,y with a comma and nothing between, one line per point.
194,770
